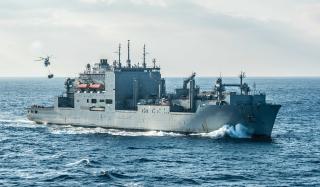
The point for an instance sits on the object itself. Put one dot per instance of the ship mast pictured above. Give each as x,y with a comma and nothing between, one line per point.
154,63
242,76
144,56
129,61
119,55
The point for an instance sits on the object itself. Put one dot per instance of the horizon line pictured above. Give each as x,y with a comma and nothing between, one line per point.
271,76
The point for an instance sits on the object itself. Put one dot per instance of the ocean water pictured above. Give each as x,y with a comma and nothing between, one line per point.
51,155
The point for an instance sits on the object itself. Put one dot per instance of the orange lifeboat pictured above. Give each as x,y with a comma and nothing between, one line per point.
96,86
83,86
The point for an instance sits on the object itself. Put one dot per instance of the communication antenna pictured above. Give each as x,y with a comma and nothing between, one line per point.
144,56
129,61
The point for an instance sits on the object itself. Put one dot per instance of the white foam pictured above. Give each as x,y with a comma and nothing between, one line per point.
84,161
239,131
68,129
16,121
7,117
133,184
233,131
25,121
142,133
63,129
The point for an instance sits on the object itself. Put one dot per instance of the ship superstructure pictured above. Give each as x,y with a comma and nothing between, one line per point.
134,97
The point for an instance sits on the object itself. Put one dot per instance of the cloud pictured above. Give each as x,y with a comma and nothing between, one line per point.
264,38
36,46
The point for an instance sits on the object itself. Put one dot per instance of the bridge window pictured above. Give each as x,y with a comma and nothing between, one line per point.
101,100
108,101
93,100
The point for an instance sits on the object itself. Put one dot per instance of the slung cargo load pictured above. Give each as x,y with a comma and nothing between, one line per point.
46,62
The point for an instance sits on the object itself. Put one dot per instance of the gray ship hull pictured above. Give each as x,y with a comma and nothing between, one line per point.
258,119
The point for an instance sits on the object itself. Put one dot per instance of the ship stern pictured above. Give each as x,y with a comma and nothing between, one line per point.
39,114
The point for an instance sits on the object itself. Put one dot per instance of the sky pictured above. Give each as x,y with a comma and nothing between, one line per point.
209,37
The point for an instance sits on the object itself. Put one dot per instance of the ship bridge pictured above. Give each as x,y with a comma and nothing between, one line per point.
122,86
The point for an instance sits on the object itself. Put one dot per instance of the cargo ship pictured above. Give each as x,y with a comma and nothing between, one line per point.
134,97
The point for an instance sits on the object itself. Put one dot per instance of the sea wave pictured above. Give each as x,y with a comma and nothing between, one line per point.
84,161
23,121
17,122
8,119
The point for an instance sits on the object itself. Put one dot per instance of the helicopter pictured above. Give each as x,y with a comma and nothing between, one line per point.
46,62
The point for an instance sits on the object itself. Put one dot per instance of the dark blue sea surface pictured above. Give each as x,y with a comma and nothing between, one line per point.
51,155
